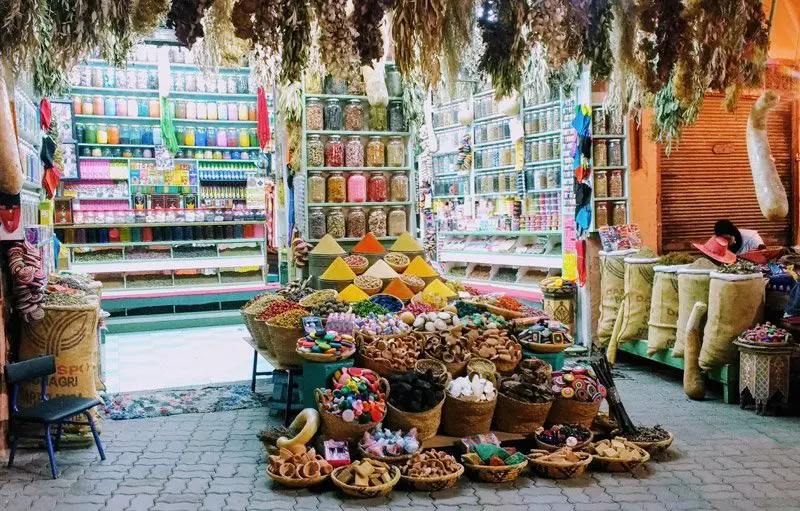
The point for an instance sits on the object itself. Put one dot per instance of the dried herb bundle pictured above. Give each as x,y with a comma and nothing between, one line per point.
560,26
670,117
661,31
220,47
258,20
148,15
624,92
367,18
21,22
336,42
184,16
598,43
565,78
419,22
295,39
501,25
457,28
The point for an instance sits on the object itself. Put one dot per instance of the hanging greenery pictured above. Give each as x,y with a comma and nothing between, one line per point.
598,43
661,32
367,18
337,37
295,37
501,25
413,104
670,117
419,22
624,93
219,46
22,21
457,32
536,75
148,15
560,27
184,16
565,78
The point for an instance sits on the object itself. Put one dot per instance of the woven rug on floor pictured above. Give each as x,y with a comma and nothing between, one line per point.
160,403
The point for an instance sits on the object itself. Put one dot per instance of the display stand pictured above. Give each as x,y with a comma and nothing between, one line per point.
610,171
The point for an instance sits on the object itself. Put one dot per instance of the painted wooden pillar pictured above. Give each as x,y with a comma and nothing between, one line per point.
645,182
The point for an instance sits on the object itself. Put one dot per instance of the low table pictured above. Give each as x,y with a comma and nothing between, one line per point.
764,375
290,371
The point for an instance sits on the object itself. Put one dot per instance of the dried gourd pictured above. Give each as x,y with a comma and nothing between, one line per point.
11,177
693,384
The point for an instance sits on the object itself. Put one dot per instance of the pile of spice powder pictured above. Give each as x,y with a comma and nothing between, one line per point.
338,270
369,244
381,270
438,288
419,268
328,246
352,293
406,243
399,289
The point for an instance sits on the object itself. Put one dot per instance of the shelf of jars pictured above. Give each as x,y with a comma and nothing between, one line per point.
357,161
610,169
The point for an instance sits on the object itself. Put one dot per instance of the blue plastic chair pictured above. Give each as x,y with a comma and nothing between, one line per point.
48,412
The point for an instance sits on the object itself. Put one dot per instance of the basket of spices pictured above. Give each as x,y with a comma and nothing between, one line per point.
415,403
415,284
388,302
504,306
564,463
372,320
399,290
545,336
338,276
263,335
494,464
370,285
317,298
654,440
469,405
380,269
370,248
578,396
366,478
391,447
496,345
357,263
389,355
481,366
355,405
297,467
399,262
407,245
525,398
254,307
325,309
617,455
450,348
436,368
352,294
419,268
559,436
325,346
284,330
431,470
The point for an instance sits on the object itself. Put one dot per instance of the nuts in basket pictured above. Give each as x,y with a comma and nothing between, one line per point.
431,463
449,348
401,353
494,344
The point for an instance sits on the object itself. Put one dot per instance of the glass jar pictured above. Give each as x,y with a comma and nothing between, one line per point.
615,124
552,177
222,111
335,223
395,152
620,215
242,111
548,150
333,115
221,138
601,214
121,107
398,222
394,82
398,188
614,153
541,179
377,222
376,152
354,115
356,223
335,86
314,115
316,223
506,155
211,108
97,77
397,121
534,151
315,151
600,183
90,134
615,184
377,118
102,134
336,187
377,190
202,110
334,152
598,121
233,138
154,108
356,187
354,152
599,153
180,109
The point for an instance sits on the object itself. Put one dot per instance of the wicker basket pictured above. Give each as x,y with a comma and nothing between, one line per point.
262,337
515,416
327,294
481,366
361,268
653,448
337,285
399,268
438,368
414,288
433,483
569,411
249,319
398,303
495,474
544,446
335,428
427,423
372,291
325,357
617,465
367,492
455,369
554,470
507,367
382,367
400,459
372,258
291,482
284,344
466,418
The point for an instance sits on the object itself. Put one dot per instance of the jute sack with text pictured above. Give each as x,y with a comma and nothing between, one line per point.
663,321
693,281
612,289
735,303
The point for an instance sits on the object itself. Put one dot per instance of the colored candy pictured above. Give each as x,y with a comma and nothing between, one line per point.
321,342
766,333
356,396
578,383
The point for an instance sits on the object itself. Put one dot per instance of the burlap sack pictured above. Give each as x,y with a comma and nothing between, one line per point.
693,383
663,321
735,303
612,289
634,312
693,281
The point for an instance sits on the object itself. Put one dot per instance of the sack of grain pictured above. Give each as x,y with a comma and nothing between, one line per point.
693,282
612,289
663,322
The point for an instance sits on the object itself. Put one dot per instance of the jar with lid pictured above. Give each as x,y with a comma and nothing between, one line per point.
620,215
541,179
615,184
333,115
242,111
534,151
614,153
180,109
315,151
314,115
398,222
377,190
615,124
397,121
335,223
356,223
395,152
336,187
377,222
233,137
233,111
506,155
598,121
601,217
354,115
354,152
334,152
316,223
398,188
376,152
202,110
356,187
97,77
335,85
394,82
377,117
600,183
599,153
553,177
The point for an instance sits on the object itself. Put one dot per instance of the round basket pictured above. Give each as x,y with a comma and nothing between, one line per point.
248,318
453,368
554,470
284,344
370,491
325,357
360,268
411,254
653,448
569,411
466,418
372,258
553,448
538,347
371,291
399,268
337,285
617,465
515,416
438,369
481,366
415,288
507,367
398,303
495,474
261,336
324,295
335,428
291,482
400,459
506,313
427,422
382,367
433,483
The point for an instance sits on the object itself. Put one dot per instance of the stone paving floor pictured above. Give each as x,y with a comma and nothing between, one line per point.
723,458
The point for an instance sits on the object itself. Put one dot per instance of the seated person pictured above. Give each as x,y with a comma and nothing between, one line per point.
739,240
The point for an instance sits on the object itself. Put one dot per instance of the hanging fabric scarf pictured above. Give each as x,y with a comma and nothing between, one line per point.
262,116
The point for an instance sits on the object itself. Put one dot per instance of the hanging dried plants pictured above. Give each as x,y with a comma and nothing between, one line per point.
219,46
419,22
560,26
501,25
458,29
148,15
295,39
598,43
367,19
661,31
21,22
670,117
184,16
536,75
624,93
337,38
258,22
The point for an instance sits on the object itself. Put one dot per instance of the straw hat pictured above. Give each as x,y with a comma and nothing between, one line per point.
717,249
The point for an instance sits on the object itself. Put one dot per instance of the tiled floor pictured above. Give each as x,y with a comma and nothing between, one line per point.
177,358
